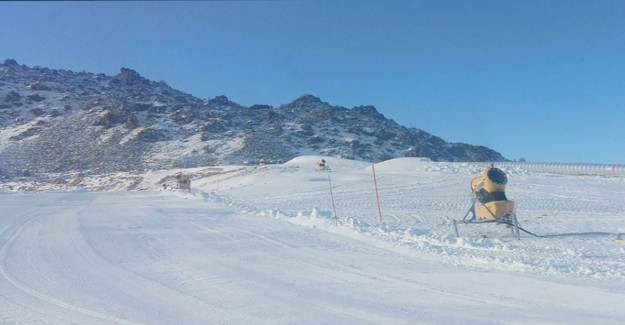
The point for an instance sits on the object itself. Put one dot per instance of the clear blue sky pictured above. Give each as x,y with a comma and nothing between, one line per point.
544,80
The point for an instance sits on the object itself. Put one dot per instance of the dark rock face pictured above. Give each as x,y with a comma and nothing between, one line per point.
367,110
220,101
12,96
128,75
61,120
10,63
35,97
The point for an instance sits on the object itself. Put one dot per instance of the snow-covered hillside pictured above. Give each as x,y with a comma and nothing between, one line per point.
60,121
260,245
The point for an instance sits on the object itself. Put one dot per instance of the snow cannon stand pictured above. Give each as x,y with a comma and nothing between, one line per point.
489,204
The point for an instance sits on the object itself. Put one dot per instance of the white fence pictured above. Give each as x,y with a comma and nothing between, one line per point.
565,168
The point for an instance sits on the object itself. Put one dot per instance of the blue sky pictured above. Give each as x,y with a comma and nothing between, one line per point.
544,80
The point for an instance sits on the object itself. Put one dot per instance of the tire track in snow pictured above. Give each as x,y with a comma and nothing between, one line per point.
328,265
4,249
265,238
184,277
208,230
222,234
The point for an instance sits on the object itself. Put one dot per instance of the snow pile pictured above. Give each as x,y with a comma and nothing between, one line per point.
403,165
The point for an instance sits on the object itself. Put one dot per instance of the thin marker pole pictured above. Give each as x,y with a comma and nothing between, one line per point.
336,218
377,195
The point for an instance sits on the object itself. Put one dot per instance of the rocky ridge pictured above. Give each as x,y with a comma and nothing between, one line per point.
54,120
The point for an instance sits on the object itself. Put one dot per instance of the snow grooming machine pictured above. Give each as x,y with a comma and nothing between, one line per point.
489,204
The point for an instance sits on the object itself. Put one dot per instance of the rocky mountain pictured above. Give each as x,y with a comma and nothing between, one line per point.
59,121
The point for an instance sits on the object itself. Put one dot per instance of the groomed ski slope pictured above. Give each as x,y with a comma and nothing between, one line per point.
259,246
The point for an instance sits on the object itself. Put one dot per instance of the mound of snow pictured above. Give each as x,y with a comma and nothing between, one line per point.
334,163
402,165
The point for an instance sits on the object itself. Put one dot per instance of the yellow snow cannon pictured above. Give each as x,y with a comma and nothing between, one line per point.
490,193
490,204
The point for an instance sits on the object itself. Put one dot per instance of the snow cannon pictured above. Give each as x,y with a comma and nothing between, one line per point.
490,193
490,204
322,165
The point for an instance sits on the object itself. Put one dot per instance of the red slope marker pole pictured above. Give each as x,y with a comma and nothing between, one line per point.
336,218
377,195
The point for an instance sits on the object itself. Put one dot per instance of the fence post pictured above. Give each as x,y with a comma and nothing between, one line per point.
377,195
336,218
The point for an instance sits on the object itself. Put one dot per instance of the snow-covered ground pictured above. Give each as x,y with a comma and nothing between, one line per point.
580,214
260,245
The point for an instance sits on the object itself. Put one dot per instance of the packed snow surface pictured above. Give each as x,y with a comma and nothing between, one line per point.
261,245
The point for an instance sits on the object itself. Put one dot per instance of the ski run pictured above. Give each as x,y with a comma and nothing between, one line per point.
262,245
